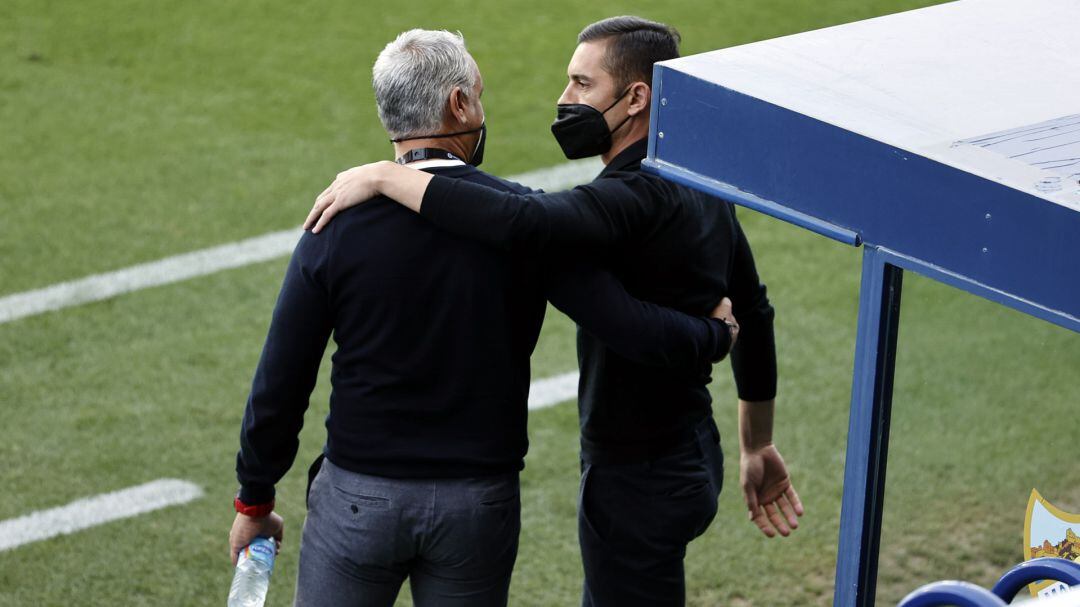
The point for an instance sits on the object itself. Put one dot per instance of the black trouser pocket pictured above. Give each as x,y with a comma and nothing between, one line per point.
312,472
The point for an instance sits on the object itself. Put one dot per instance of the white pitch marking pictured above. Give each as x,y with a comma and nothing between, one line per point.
107,507
553,390
223,257
145,275
561,176
92,511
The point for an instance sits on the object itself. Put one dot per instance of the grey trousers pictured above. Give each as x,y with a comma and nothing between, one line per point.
455,539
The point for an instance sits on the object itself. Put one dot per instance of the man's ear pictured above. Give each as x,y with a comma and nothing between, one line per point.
456,104
640,95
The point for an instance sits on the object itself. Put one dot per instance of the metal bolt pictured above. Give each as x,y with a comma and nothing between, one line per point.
660,134
663,101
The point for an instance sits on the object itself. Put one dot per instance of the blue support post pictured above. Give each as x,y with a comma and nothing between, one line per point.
868,430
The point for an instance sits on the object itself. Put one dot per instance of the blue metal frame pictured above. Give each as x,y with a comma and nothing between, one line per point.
975,287
871,407
848,186
913,213
750,201
868,429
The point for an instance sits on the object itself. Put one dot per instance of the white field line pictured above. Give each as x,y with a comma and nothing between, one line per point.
145,275
553,390
92,511
224,257
107,507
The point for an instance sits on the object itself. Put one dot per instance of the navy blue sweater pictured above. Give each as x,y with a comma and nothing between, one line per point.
433,333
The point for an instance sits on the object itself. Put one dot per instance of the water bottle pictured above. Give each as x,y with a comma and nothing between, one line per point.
252,578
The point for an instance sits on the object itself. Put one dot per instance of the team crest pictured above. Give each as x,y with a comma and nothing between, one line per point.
1049,531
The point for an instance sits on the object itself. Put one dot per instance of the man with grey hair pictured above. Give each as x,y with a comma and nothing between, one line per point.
426,431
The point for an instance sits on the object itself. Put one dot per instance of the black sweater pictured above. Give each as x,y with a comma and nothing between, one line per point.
433,333
667,244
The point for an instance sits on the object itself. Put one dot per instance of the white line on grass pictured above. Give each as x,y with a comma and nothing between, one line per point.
91,511
107,507
224,257
145,275
553,390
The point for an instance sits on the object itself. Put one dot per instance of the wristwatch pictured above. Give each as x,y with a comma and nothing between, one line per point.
732,328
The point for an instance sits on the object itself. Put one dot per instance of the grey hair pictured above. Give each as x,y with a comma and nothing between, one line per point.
413,78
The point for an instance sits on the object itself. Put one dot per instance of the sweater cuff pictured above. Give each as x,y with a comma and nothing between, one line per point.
255,494
721,339
436,197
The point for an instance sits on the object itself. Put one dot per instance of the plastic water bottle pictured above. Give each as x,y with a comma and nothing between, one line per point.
252,578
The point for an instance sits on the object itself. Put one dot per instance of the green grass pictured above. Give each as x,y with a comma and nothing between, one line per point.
132,131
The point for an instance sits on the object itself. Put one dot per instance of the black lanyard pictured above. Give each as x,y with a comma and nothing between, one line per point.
426,154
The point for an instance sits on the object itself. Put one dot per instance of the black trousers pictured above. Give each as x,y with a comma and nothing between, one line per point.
635,521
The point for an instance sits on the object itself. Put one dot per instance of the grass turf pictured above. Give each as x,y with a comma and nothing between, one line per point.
135,131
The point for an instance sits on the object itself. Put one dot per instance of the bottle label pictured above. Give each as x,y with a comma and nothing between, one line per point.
260,549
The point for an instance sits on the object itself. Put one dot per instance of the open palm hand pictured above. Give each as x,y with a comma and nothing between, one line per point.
771,500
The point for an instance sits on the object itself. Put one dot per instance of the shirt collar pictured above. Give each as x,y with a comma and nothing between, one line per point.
435,163
628,159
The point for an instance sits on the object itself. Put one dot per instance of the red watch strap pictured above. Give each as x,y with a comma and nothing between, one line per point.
256,511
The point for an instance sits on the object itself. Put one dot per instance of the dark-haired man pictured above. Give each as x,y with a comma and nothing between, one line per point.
651,464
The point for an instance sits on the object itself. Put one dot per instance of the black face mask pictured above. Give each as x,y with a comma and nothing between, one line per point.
478,153
581,129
